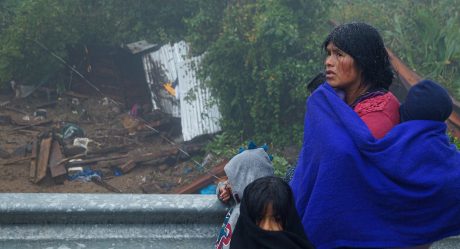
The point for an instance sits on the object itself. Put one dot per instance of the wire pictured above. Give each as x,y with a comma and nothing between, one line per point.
197,164
177,147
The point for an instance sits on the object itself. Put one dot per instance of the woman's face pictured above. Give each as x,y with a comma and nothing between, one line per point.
341,69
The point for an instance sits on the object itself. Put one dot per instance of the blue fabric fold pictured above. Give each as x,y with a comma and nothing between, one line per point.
352,190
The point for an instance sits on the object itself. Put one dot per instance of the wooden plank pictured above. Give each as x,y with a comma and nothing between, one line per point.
95,160
55,157
76,95
31,125
33,162
157,156
43,157
128,166
108,150
203,181
105,184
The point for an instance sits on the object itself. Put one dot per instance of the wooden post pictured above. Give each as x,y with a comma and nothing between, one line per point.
43,158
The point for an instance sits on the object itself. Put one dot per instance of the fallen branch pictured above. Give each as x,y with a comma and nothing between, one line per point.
203,181
31,125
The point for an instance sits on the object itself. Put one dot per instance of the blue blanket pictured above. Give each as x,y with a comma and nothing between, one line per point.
356,191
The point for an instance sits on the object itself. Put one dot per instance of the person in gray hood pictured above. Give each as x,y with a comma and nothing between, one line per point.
241,170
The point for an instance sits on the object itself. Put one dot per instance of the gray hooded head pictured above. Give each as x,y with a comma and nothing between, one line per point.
246,167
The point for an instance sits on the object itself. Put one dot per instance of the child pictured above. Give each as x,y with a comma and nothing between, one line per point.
242,169
426,100
268,218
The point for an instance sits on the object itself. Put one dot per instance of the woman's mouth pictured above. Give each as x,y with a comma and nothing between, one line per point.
329,74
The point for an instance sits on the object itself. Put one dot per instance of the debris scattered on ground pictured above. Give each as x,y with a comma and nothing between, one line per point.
80,143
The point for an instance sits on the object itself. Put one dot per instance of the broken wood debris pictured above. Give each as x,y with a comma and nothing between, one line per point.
203,181
106,185
76,95
55,157
33,162
95,160
43,157
28,125
113,153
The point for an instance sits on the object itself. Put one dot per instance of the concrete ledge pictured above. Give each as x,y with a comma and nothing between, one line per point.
118,221
20,208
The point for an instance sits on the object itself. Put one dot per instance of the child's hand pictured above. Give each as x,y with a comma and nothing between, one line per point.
225,192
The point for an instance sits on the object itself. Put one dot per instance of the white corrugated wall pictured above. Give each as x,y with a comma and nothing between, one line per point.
169,63
198,117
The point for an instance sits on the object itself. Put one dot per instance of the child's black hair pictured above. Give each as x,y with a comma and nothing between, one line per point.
267,191
426,100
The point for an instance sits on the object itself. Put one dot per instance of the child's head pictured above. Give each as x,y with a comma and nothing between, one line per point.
426,101
268,201
246,167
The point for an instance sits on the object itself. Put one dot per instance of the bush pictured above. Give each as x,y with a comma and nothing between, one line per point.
64,25
259,64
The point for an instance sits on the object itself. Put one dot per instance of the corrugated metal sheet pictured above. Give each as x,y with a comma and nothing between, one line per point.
198,116
192,101
140,47
161,67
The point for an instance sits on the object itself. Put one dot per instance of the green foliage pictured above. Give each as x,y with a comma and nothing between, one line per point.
258,65
424,34
224,145
205,24
63,25
455,141
280,164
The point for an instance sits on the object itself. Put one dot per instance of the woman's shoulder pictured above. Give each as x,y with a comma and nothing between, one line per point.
380,113
386,103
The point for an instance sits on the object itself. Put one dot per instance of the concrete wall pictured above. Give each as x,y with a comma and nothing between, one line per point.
77,221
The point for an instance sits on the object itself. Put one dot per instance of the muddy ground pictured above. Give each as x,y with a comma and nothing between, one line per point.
102,121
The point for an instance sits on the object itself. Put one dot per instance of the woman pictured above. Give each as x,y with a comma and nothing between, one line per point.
371,184
268,218
358,65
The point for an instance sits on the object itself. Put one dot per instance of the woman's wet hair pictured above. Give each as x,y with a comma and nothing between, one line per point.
364,43
267,191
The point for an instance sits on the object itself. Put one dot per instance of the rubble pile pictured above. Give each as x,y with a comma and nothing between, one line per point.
66,144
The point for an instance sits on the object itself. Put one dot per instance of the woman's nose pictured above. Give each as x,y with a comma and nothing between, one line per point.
328,62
